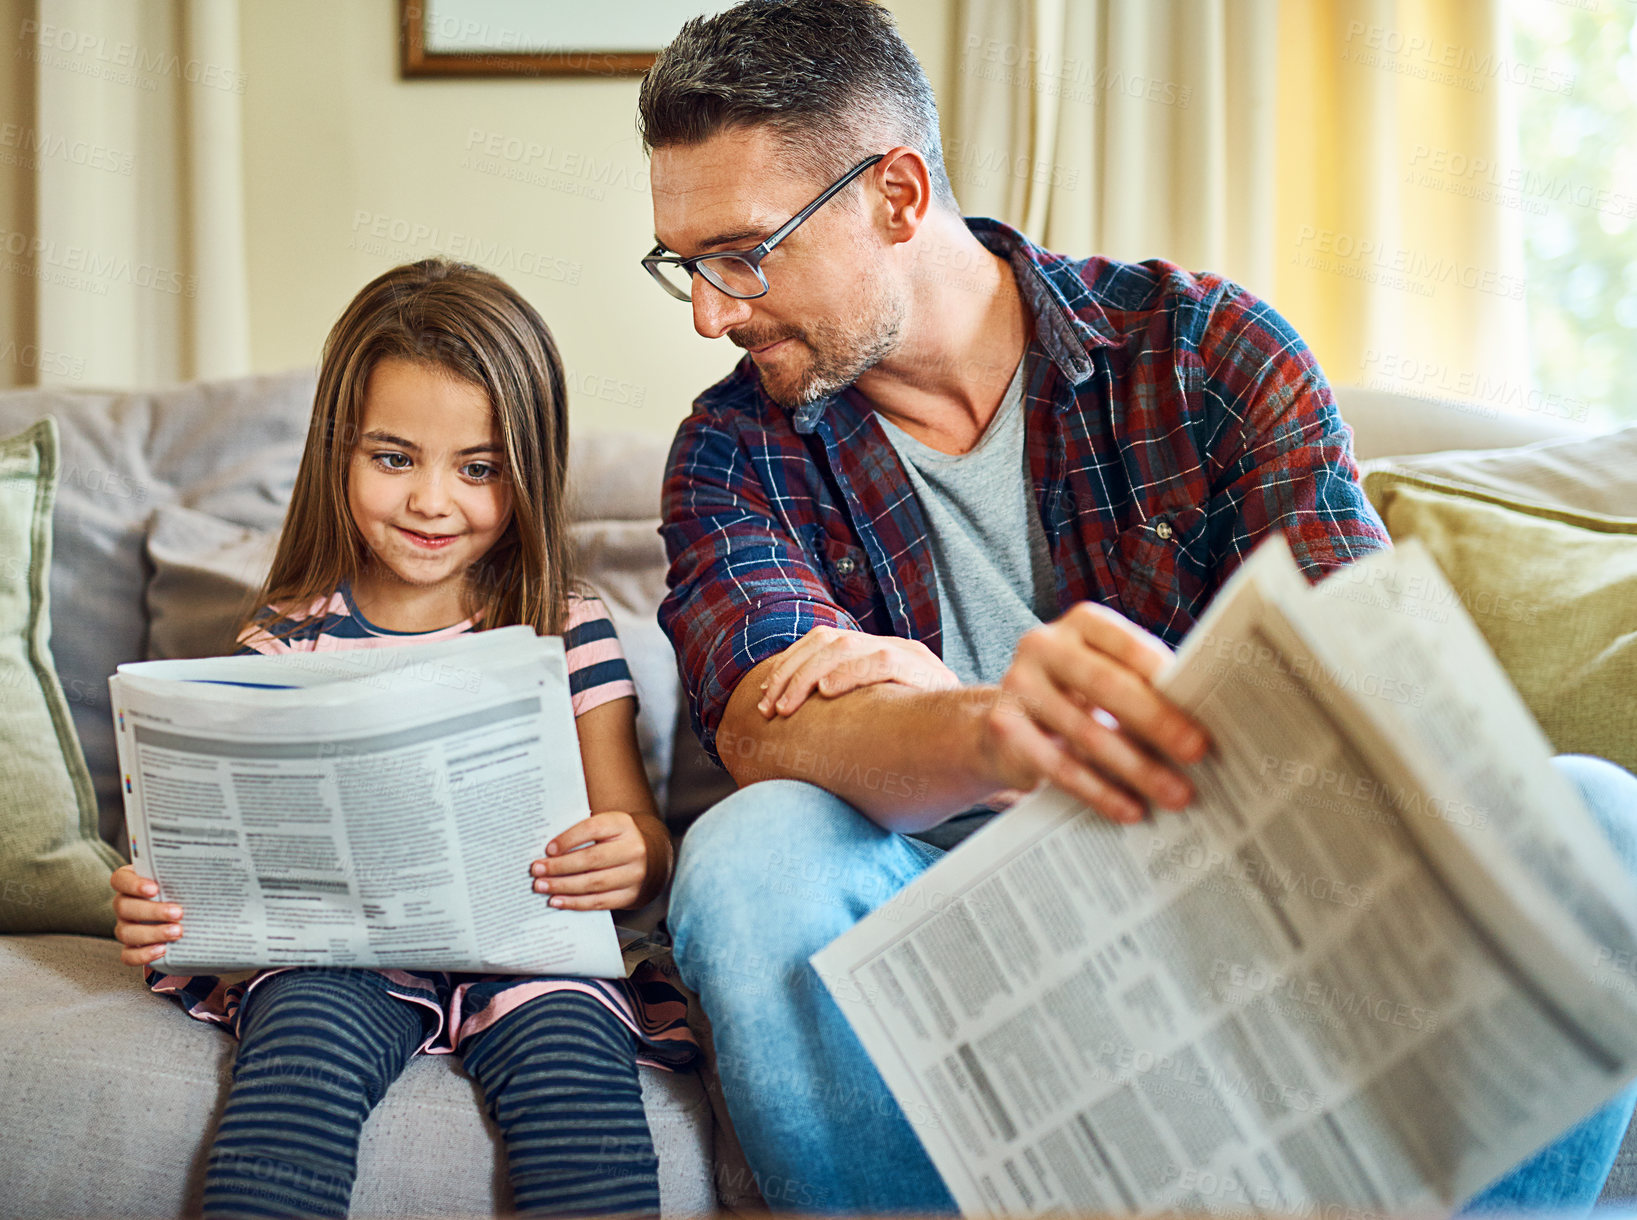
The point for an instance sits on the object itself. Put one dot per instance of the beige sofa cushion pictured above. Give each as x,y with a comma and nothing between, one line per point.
1594,474
1554,592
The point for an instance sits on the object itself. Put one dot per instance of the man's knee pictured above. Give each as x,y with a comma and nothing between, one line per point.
766,876
767,829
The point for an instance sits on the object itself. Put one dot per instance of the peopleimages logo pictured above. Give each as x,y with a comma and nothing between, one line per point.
24,145
1389,371
1432,59
58,46
82,267
1417,271
376,233
548,159
1515,185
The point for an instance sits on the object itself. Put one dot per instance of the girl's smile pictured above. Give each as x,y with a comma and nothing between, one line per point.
428,491
431,542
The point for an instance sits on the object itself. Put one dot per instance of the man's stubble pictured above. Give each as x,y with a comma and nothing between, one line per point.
838,352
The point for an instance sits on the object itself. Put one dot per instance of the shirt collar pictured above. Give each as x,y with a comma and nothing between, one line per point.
1046,281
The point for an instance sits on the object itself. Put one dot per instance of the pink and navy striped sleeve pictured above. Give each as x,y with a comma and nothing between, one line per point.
597,672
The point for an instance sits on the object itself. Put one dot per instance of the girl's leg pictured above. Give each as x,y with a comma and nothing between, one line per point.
317,1050
559,1077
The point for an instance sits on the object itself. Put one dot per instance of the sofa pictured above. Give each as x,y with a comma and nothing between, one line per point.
166,502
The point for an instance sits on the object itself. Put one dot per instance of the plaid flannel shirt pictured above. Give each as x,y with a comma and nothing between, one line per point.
1172,421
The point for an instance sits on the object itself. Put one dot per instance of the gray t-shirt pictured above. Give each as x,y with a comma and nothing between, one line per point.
989,553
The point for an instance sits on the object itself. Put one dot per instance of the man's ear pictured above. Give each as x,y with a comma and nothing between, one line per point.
906,192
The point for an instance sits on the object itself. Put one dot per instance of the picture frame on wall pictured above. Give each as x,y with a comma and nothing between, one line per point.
465,38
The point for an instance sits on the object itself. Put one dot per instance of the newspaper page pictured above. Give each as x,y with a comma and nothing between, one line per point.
1289,997
361,808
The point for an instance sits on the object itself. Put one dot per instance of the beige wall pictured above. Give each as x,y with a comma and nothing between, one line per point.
350,170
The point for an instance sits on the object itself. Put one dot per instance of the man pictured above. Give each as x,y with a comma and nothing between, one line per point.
930,541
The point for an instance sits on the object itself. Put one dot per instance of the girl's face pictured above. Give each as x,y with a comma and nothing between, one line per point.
427,486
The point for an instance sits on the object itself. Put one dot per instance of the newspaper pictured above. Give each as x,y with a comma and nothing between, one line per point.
1373,967
369,807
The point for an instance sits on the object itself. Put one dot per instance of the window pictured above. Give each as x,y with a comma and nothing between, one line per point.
1576,191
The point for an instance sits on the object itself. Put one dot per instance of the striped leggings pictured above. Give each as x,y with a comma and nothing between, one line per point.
318,1049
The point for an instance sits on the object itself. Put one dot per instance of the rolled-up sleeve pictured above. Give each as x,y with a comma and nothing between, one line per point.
741,589
1281,457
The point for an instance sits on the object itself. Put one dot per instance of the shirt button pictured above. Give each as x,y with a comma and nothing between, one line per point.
846,565
1162,527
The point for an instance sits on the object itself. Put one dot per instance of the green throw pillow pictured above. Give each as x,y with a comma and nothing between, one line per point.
1553,590
53,868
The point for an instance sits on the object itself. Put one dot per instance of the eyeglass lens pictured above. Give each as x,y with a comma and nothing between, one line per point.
732,275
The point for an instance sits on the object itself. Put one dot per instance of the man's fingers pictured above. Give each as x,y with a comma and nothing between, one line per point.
1139,707
613,900
801,682
1048,760
1108,631
603,854
792,659
1124,692
1101,747
593,829
598,881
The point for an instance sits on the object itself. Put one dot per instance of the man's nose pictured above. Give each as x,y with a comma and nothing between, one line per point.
714,311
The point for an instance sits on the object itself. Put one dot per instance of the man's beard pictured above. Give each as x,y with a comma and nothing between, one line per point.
839,354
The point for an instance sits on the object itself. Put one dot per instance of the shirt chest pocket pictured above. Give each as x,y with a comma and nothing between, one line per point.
1159,568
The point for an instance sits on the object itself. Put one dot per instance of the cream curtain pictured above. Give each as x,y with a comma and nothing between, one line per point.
1131,128
135,249
1279,144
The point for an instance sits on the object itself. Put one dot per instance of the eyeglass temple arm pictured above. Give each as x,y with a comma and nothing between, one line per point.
785,229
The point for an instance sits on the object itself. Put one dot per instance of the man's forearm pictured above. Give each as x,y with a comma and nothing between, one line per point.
905,758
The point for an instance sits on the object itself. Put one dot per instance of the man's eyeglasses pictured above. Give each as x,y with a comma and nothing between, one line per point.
737,272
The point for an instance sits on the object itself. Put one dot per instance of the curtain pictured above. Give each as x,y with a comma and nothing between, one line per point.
1131,128
1287,146
133,256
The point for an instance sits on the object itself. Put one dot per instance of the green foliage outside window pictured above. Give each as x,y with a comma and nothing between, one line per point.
1577,192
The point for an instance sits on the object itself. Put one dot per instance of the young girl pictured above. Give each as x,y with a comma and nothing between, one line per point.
430,502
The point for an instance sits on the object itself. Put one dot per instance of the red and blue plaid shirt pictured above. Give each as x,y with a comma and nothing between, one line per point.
1172,420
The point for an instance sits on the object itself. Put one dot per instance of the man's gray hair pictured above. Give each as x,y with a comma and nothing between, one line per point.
831,78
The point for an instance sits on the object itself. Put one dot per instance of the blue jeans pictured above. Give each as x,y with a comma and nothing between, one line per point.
778,870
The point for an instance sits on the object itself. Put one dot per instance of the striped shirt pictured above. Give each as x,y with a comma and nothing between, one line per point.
458,1005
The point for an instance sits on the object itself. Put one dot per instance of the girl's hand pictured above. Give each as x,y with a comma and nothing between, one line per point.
625,866
833,662
143,927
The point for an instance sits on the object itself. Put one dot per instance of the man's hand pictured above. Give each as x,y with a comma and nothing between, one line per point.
832,662
1078,707
609,862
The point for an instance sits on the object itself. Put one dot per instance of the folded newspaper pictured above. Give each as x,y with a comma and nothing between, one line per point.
1381,959
370,807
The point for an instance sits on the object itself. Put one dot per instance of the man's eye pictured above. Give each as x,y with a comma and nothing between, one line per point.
392,460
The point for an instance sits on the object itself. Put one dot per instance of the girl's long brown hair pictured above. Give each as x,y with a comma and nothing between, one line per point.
467,323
